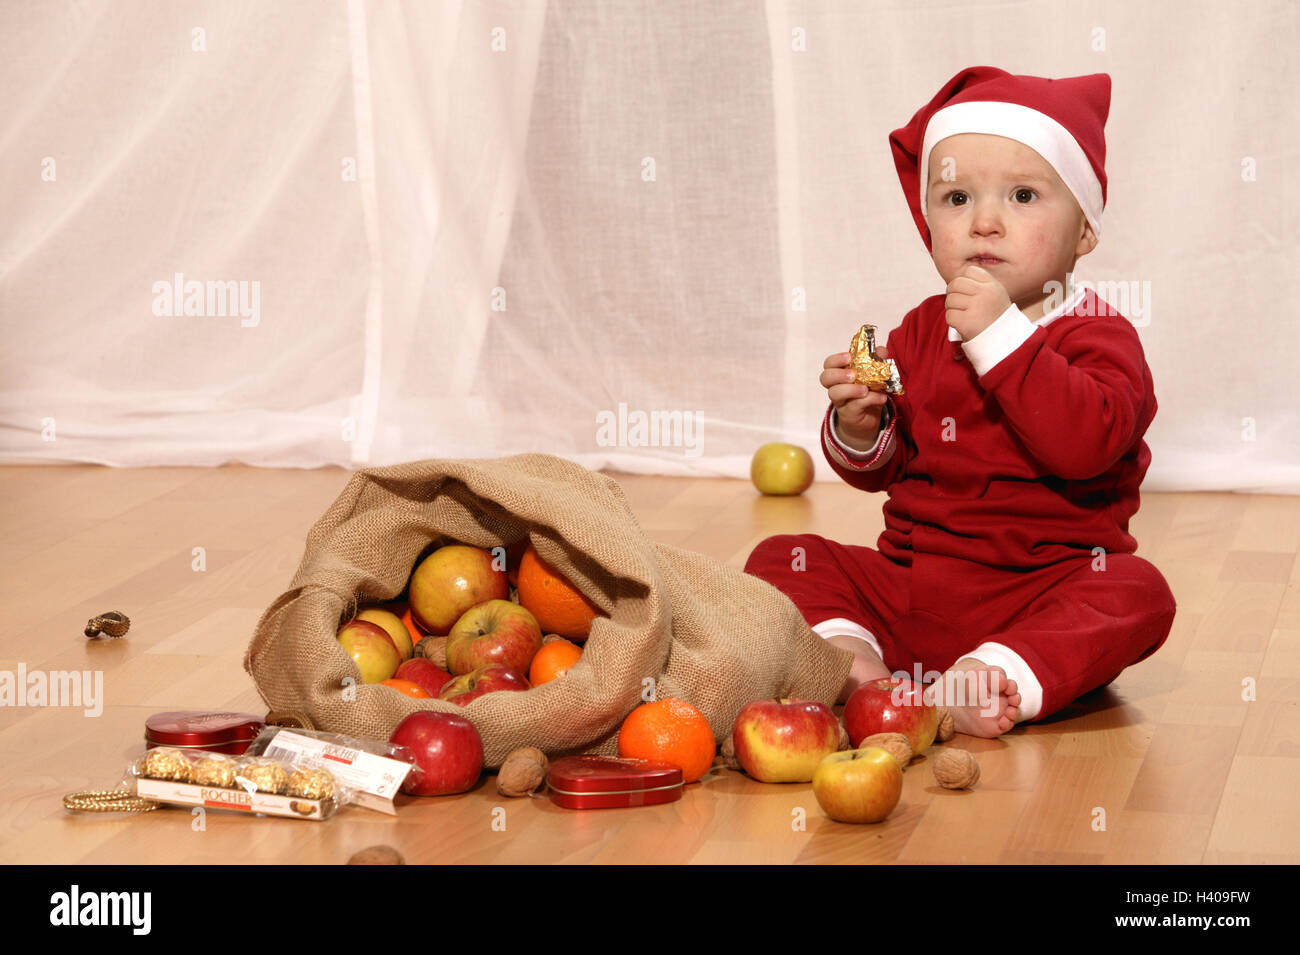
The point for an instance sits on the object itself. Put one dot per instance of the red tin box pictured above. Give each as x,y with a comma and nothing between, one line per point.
195,729
607,782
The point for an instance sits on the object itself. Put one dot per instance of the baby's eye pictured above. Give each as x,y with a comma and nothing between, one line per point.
1024,192
953,197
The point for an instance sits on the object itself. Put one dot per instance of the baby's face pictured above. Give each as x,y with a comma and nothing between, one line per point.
1002,199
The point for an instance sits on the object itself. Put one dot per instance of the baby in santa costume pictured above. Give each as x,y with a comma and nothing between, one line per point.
1005,578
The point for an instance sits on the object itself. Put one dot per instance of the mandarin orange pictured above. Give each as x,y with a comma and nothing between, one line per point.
557,605
554,660
670,730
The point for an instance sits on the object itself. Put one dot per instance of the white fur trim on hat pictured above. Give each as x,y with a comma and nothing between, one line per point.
1036,130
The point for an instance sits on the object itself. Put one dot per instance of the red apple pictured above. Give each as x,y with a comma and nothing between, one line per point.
426,673
372,648
446,749
450,581
783,741
486,679
494,632
891,705
858,785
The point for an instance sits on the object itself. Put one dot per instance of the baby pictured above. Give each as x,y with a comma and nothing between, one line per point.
1005,578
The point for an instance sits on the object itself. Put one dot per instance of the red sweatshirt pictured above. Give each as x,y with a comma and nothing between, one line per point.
1019,448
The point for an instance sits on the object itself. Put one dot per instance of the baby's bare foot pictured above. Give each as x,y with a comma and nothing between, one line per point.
982,700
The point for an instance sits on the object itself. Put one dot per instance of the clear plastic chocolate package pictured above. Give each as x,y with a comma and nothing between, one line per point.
256,785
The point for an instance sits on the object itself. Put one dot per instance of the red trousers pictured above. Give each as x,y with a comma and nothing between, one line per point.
1059,631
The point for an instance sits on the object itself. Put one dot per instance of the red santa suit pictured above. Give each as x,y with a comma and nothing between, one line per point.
1012,463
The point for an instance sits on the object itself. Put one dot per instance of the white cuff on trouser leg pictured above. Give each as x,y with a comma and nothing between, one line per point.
841,627
1015,667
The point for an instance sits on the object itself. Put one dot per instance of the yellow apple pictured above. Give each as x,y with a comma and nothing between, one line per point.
392,623
858,785
372,648
782,469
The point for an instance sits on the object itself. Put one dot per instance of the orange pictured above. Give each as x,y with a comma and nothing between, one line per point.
671,730
553,660
408,687
558,607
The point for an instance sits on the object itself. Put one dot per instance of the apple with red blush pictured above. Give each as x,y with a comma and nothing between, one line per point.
858,785
372,649
497,631
784,740
450,581
486,679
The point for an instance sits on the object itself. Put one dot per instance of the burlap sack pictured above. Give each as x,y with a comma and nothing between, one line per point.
703,632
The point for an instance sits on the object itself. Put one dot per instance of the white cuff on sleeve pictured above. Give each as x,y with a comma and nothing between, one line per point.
843,627
1015,667
1007,333
866,455
879,454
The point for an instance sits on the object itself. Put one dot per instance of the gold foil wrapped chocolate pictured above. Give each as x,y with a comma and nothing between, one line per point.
166,763
263,775
876,373
215,771
312,784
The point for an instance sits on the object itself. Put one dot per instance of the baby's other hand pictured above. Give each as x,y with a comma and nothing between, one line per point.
974,302
857,407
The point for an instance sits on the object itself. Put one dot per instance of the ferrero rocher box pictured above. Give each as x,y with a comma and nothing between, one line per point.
240,800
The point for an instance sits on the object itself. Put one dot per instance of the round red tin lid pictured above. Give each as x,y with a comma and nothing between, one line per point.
200,729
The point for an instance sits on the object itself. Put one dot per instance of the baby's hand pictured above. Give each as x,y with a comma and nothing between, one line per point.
975,300
857,407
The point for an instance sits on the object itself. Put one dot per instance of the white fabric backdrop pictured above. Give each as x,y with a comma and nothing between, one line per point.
473,229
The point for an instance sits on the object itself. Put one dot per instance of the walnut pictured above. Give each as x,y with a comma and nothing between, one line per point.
727,754
523,772
433,649
551,638
377,855
955,769
846,741
895,744
946,727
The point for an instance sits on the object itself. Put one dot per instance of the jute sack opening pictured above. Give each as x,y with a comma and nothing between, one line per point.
706,633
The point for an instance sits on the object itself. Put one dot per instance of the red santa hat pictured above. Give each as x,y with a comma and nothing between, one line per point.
1062,120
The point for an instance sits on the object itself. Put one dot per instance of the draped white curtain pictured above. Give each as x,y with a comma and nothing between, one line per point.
625,233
